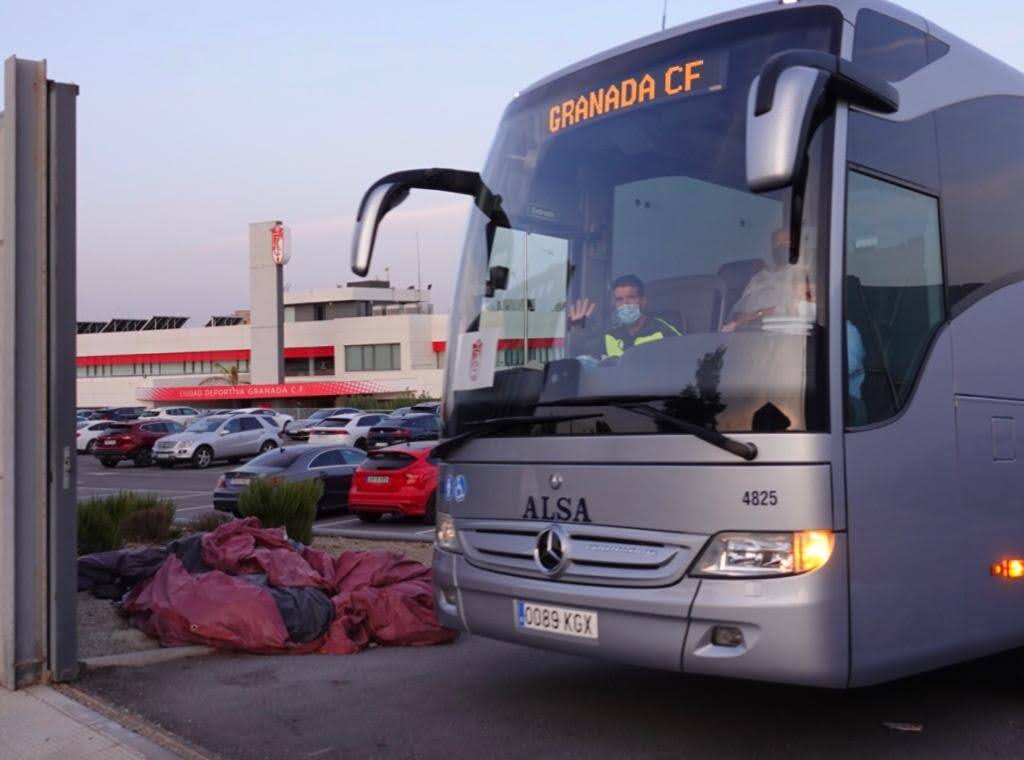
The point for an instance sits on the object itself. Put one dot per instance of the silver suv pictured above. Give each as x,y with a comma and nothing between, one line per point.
210,438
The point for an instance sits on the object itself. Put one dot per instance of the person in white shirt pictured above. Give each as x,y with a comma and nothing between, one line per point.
769,290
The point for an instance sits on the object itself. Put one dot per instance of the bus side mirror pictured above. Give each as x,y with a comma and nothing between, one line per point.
777,139
387,192
784,101
378,201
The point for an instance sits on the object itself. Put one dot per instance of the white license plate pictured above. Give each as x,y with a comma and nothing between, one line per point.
565,621
241,481
379,479
108,441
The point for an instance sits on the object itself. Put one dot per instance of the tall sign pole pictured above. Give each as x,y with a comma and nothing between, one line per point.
269,251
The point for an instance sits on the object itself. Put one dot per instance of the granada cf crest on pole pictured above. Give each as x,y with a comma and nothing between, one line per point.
279,244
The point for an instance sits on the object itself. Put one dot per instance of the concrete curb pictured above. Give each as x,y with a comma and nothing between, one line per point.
132,731
374,535
145,657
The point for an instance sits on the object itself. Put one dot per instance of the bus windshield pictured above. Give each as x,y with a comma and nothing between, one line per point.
636,264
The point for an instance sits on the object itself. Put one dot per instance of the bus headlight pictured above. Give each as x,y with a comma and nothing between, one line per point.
445,535
764,555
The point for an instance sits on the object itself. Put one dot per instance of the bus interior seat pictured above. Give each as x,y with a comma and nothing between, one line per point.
904,315
736,275
876,391
693,304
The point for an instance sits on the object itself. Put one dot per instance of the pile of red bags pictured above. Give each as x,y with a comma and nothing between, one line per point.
253,590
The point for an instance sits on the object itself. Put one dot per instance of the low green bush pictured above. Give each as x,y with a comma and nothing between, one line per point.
97,528
278,503
153,525
106,522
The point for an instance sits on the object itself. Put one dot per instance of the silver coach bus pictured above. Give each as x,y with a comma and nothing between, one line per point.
734,367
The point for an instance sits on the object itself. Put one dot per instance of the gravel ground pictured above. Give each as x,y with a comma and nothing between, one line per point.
102,631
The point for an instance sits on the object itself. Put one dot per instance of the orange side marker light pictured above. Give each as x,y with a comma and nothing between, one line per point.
1008,568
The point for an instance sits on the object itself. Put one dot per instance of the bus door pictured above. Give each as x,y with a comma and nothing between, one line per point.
904,515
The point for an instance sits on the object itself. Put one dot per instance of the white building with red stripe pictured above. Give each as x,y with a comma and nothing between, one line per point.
367,338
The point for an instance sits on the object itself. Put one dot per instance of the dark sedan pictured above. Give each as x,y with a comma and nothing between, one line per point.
334,465
411,427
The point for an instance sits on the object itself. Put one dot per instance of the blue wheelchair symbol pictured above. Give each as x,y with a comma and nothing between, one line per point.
448,481
461,489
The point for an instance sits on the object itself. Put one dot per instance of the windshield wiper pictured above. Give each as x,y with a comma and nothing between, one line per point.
641,405
496,425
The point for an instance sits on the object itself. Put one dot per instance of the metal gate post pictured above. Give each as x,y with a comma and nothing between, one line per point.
37,377
62,538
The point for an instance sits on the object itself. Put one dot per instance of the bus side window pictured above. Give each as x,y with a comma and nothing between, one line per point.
891,49
981,144
894,294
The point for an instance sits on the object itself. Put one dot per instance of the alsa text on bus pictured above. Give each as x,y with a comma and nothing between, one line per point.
564,509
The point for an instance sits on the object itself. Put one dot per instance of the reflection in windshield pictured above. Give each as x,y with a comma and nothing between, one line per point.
335,422
637,263
205,426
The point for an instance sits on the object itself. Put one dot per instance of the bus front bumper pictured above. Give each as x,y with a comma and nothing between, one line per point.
794,629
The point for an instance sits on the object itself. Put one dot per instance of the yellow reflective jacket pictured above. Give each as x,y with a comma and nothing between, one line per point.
616,343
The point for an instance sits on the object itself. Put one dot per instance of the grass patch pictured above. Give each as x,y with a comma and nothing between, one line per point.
207,522
281,504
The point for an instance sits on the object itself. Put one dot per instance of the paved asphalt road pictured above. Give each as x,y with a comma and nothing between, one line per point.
192,492
484,699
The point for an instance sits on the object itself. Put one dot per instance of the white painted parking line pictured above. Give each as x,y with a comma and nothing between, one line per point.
193,509
182,494
424,532
340,521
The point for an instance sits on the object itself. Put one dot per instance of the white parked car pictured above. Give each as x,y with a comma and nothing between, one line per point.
280,419
233,438
349,430
184,415
87,433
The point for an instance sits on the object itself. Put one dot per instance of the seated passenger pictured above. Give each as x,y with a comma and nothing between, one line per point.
768,291
634,325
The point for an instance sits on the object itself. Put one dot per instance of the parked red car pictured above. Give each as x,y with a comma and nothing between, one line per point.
399,480
132,440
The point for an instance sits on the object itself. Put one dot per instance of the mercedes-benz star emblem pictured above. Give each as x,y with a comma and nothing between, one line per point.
555,481
550,551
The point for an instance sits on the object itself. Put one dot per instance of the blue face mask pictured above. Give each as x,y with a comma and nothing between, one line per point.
628,313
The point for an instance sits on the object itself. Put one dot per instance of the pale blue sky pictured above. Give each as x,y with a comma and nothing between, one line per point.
198,118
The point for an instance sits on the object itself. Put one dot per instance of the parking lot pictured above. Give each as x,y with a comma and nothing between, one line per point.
488,699
192,493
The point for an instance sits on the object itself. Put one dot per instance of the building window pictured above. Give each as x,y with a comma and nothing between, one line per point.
296,367
323,366
375,358
319,312
510,357
439,359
